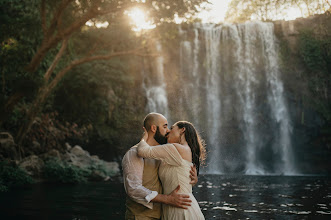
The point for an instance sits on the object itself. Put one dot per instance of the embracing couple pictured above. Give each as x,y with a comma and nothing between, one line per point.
160,170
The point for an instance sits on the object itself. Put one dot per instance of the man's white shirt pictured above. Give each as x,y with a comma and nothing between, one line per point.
133,169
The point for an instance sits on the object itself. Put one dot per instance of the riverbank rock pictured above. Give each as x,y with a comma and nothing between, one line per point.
51,154
78,157
112,167
33,165
8,147
36,148
97,175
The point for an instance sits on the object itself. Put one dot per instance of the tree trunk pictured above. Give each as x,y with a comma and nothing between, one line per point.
31,115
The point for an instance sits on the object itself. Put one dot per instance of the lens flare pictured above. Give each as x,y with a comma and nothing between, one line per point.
139,20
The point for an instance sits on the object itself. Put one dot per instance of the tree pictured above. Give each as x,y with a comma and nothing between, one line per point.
266,10
58,23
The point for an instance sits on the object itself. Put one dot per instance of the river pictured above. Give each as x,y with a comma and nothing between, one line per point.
219,196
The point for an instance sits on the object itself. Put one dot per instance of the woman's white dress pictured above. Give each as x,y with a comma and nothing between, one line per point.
173,171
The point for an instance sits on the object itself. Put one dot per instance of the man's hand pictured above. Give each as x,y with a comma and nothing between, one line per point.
178,200
193,175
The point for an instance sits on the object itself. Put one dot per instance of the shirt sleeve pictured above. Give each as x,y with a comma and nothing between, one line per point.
133,168
166,152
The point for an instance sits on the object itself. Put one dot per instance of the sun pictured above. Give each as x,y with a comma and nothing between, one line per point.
139,20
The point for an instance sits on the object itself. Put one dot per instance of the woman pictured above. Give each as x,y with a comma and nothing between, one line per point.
186,148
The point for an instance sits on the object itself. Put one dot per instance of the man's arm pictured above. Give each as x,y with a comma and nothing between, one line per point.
133,168
174,199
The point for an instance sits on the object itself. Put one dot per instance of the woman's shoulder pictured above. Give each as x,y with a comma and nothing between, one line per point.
180,146
184,151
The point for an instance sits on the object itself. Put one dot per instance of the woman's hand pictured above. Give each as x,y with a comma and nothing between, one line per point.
145,134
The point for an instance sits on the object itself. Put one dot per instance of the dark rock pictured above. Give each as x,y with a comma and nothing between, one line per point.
8,148
32,165
51,154
97,175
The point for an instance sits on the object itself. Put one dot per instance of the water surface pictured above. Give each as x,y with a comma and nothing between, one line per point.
219,196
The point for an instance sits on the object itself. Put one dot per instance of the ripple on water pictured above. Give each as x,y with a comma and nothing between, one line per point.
224,208
300,212
252,211
324,212
242,190
284,196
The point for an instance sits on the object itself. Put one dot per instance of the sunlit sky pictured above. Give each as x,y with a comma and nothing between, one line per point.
214,13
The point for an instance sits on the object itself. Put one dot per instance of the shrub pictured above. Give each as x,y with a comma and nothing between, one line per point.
3,188
12,176
50,132
57,171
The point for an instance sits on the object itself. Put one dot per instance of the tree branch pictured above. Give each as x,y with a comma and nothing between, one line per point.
51,41
56,17
92,58
56,60
43,17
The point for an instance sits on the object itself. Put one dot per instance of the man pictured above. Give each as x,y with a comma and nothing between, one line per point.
141,181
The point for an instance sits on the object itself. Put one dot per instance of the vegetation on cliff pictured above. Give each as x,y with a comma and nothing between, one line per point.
46,66
12,176
268,10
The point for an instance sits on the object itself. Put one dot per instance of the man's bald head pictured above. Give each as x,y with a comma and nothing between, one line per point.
152,119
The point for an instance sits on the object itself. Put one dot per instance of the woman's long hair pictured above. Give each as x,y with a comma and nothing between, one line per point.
197,145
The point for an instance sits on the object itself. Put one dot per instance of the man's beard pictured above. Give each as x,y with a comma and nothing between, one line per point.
159,137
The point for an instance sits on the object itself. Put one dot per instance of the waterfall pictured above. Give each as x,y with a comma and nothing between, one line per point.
189,65
244,37
228,84
155,87
277,102
213,87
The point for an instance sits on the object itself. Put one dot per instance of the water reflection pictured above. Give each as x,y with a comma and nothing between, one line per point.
264,197
220,197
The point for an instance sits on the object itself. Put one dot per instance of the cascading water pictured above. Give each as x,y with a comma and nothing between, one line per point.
277,103
213,86
155,87
243,37
190,76
229,86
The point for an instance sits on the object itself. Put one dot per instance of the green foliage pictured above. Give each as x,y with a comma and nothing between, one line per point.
58,171
266,10
51,133
97,93
101,168
315,50
12,176
19,38
3,188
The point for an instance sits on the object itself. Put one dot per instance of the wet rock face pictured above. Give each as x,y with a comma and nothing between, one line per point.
8,147
290,30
